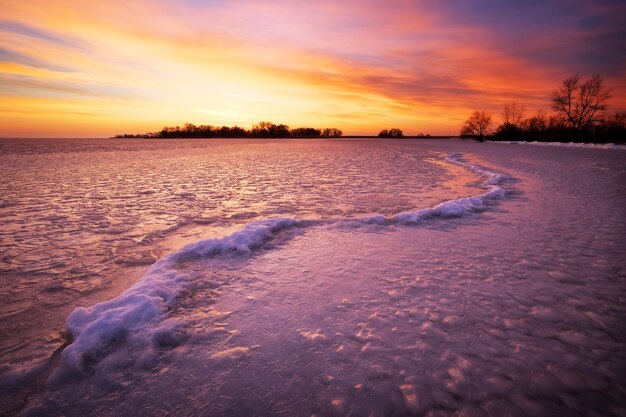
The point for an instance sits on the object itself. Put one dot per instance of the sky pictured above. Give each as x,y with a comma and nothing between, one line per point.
95,68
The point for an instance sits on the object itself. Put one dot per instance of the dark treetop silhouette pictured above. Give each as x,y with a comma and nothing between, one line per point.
477,126
391,133
260,130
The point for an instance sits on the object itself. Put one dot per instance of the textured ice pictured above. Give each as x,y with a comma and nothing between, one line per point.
513,305
133,316
82,220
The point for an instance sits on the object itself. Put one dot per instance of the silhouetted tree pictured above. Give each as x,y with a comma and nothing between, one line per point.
579,117
507,131
543,128
477,126
238,132
269,130
395,133
579,103
304,132
391,133
261,129
536,123
617,121
331,132
513,113
279,131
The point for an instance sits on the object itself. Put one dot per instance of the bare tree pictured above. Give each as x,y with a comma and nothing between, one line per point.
537,123
331,132
513,114
579,103
395,133
477,125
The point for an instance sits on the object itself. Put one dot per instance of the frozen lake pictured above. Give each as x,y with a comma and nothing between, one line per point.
320,277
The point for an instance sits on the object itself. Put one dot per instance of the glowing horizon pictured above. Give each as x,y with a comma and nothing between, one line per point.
97,69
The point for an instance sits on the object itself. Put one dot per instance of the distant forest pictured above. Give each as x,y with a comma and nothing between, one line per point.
260,130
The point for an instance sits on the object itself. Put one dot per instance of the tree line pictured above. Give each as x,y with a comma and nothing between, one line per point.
579,116
260,130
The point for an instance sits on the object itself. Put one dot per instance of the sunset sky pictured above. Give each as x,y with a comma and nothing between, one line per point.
95,68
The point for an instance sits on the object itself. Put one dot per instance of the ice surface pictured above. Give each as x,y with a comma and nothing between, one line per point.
514,305
132,316
82,220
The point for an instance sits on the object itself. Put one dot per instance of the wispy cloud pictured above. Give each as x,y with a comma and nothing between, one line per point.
23,29
8,55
